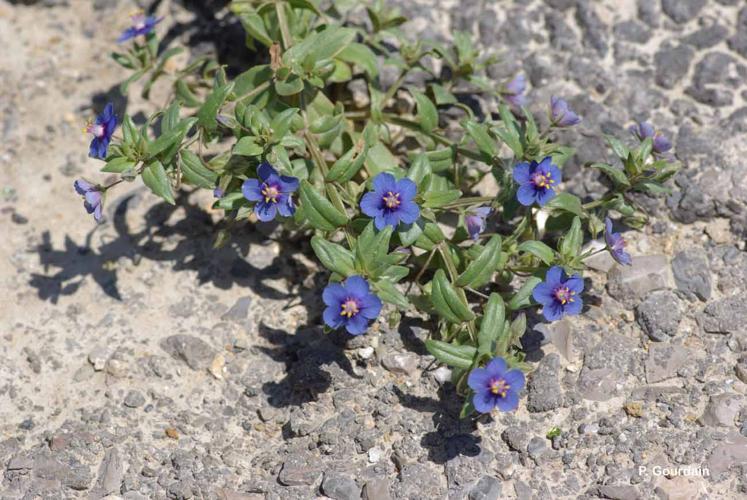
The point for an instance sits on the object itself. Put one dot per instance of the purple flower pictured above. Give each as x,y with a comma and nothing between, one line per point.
351,305
616,244
141,25
92,197
475,221
561,115
391,201
536,181
495,386
513,91
559,294
102,129
272,192
644,130
218,193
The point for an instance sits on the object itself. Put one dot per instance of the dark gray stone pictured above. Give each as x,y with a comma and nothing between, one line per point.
681,11
111,473
134,399
400,363
238,311
692,273
629,284
664,360
298,472
544,391
659,315
340,487
376,489
632,31
595,35
486,488
618,492
727,315
192,350
536,447
707,37
672,64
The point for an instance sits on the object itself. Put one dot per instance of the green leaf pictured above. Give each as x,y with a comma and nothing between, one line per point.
618,147
387,291
255,27
395,273
281,123
348,165
330,43
436,199
484,265
305,4
154,176
568,202
539,250
491,325
119,165
334,257
615,174
194,170
427,113
319,211
478,132
364,57
409,234
419,169
185,94
570,246
290,86
448,303
522,298
209,110
247,146
169,139
458,356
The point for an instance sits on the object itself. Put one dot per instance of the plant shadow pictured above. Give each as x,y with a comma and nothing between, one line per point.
453,436
183,239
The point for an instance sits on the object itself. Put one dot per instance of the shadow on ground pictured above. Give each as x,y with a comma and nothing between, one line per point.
184,240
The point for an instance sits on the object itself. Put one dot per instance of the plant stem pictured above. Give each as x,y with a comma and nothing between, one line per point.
283,22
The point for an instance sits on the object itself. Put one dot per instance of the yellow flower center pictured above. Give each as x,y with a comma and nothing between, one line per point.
499,387
349,308
543,180
391,200
270,193
564,295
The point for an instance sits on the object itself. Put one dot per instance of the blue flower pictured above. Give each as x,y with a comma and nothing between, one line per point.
92,197
536,181
272,192
616,244
561,115
513,91
391,201
559,294
218,193
141,25
495,386
644,130
475,221
102,129
351,305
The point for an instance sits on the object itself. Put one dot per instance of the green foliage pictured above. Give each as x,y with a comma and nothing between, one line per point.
297,111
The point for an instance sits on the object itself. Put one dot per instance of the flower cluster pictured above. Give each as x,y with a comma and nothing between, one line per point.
392,201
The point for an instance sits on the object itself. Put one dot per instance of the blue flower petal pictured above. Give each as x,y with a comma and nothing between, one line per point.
526,195
370,306
82,187
555,276
552,311
496,367
408,212
484,401
357,325
478,379
332,317
265,211
515,379
371,205
334,294
522,173
544,196
407,189
265,170
286,208
574,308
575,283
251,190
384,182
357,286
509,403
543,293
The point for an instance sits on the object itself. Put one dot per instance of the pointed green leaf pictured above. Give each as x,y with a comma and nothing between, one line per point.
154,176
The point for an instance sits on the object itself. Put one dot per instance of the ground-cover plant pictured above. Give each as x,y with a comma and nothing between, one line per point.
390,178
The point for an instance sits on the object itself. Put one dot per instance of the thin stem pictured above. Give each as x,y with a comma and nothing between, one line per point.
472,200
283,22
258,89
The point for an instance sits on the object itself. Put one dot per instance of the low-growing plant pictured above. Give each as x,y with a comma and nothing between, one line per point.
390,178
